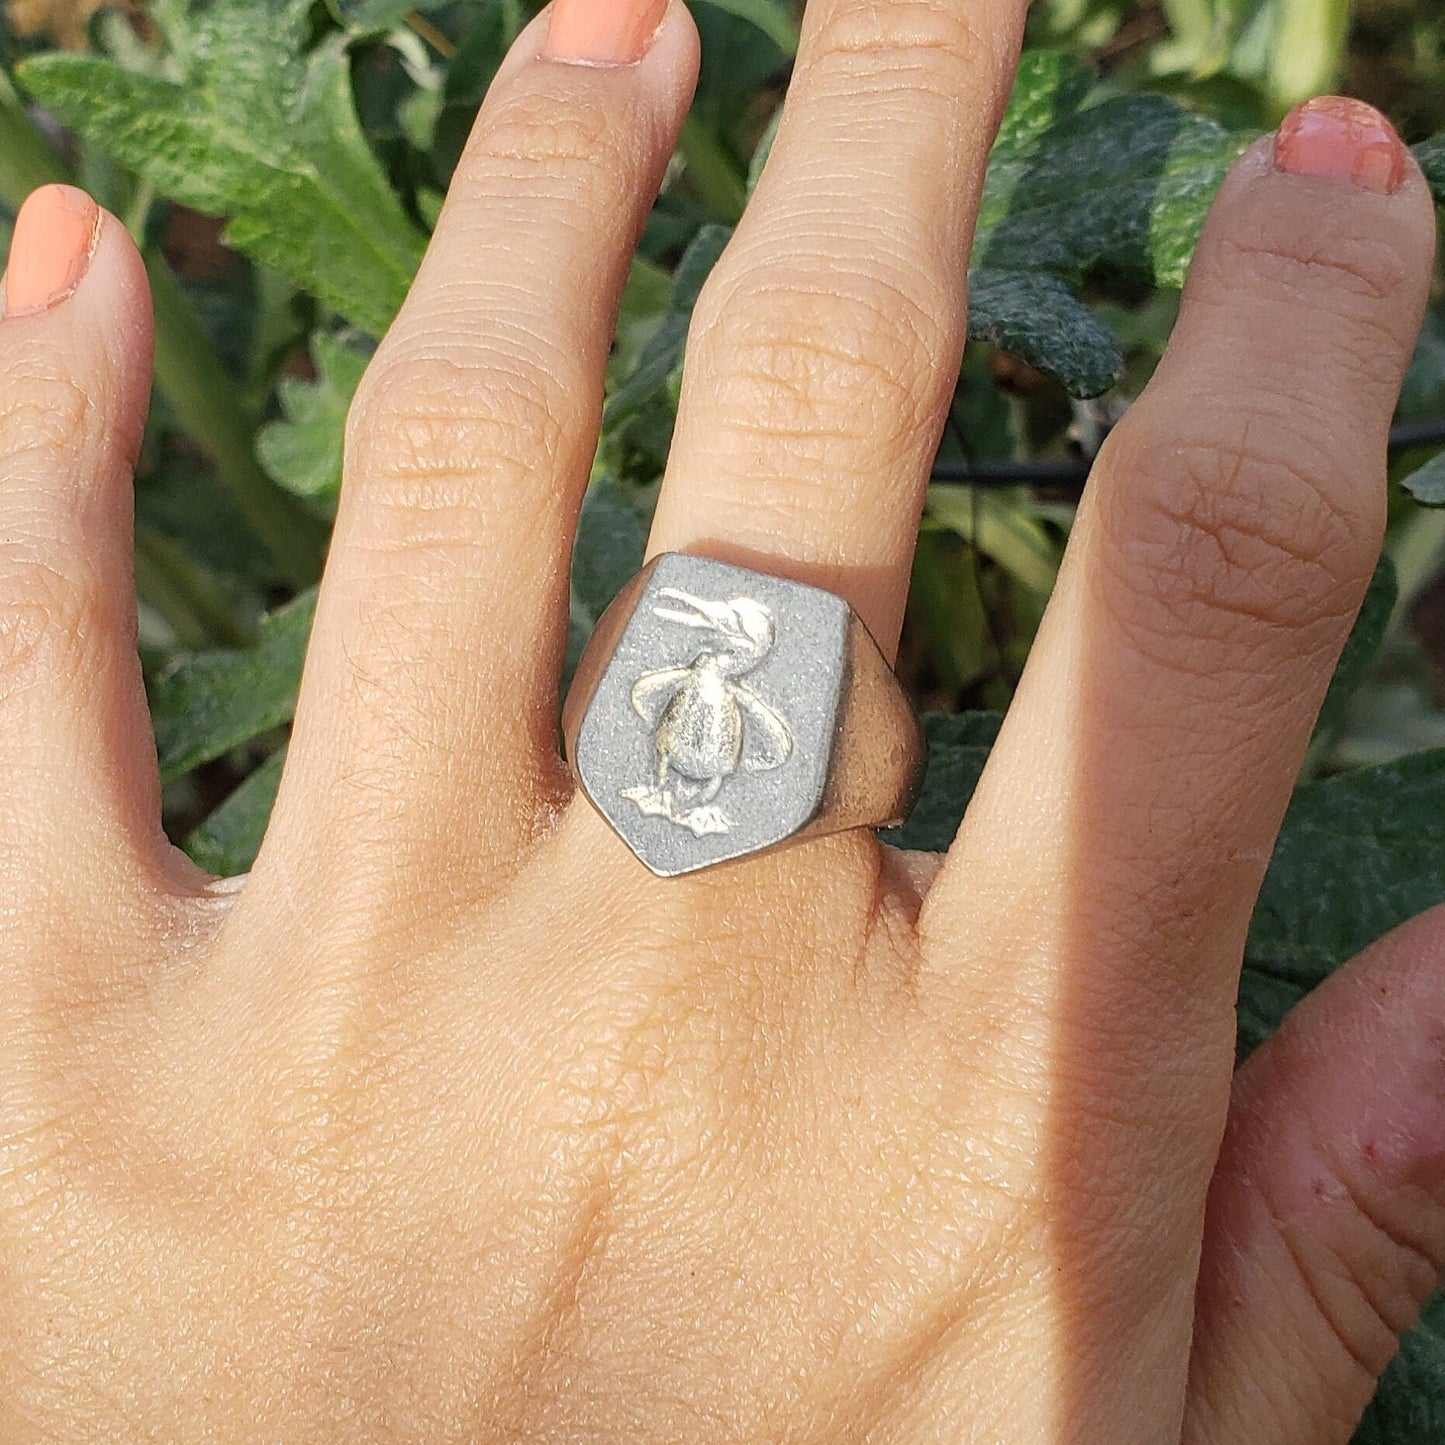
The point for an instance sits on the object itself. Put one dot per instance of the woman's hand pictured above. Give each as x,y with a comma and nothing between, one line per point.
455,1124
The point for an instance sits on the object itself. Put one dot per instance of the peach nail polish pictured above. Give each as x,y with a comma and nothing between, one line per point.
1342,139
55,237
602,32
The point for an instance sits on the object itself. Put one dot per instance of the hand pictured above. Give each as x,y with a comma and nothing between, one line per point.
453,1123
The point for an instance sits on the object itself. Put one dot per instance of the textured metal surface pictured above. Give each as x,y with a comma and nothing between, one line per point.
706,719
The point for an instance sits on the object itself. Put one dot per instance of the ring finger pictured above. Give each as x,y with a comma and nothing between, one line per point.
825,347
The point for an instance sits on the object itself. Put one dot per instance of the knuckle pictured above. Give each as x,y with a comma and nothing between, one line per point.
42,609
1351,262
23,631
43,412
924,38
543,136
1212,528
429,437
865,361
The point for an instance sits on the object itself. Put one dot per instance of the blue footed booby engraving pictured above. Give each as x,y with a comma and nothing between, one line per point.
706,725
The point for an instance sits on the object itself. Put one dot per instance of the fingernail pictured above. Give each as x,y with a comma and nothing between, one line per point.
1342,139
55,237
602,32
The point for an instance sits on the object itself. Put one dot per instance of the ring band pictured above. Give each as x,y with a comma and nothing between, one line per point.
718,712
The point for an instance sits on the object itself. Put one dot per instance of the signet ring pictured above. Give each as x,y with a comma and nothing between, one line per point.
718,712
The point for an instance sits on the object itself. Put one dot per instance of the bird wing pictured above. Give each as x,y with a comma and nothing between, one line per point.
767,743
652,692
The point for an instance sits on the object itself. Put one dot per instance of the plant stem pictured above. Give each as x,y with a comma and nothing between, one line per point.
433,37
188,371
184,596
139,210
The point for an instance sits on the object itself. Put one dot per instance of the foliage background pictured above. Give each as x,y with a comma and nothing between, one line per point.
281,162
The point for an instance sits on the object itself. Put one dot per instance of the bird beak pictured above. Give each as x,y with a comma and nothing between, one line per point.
702,613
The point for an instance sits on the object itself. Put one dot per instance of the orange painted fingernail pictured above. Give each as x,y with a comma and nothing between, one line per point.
1341,139
55,237
602,32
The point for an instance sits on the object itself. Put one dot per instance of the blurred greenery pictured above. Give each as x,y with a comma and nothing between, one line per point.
282,161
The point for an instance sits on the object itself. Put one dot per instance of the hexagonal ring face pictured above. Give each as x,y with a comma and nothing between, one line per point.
710,728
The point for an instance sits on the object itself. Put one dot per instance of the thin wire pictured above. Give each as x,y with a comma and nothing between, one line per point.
1075,471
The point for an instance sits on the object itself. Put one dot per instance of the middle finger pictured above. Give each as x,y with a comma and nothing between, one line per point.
825,347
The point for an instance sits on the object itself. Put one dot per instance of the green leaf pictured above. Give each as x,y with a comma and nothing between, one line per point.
1358,854
611,541
1409,1406
1427,485
27,158
303,452
1049,86
227,842
1306,49
371,17
715,175
258,131
1078,182
1126,180
661,358
1035,315
947,604
1431,155
1361,648
763,150
739,58
1203,33
469,76
204,705
958,747
997,525
775,20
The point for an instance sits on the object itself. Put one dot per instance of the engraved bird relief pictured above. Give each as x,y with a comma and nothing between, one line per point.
706,726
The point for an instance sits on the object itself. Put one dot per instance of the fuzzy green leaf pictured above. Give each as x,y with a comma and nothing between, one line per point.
611,542
1358,854
1075,184
958,747
226,844
204,705
769,16
1427,485
1409,1406
1431,155
1361,647
254,129
739,56
371,17
1003,528
303,452
1035,315
1125,181
661,358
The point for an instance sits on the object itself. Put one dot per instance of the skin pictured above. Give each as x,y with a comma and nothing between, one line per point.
453,1123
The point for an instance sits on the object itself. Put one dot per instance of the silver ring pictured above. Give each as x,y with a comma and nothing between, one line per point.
718,712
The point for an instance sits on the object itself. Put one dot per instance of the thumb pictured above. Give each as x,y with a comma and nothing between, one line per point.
1326,1225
